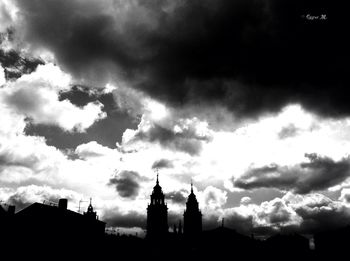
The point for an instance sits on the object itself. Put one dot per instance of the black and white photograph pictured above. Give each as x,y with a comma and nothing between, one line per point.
174,129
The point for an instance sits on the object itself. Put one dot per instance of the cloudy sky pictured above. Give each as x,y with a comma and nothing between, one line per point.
248,98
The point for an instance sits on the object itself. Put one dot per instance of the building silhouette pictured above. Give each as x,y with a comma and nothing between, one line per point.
220,242
157,214
7,213
332,242
192,217
296,245
50,223
7,210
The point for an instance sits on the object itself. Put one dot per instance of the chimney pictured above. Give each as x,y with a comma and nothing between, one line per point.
11,210
63,203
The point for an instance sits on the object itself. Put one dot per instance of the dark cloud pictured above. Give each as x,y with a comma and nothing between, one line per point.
126,183
279,213
82,95
322,214
276,215
288,132
251,56
187,140
14,63
162,163
318,174
176,196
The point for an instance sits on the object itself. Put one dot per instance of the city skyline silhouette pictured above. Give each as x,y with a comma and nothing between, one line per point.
171,128
50,224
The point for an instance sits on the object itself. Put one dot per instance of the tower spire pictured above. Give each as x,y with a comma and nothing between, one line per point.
90,208
157,176
90,213
192,217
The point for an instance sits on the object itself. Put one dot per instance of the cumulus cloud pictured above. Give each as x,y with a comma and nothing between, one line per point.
319,174
277,212
213,198
25,158
93,150
304,214
268,217
245,200
318,212
36,96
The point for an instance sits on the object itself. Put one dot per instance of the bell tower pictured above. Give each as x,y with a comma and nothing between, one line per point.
91,214
157,214
192,216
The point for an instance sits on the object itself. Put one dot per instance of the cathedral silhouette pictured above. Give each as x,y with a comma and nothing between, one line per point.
157,216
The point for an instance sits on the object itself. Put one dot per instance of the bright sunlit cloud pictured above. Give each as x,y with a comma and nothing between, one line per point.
156,110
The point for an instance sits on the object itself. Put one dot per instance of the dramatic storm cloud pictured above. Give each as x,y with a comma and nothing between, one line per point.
251,56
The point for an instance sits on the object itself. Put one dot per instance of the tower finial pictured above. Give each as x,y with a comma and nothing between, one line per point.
90,208
157,176
191,186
